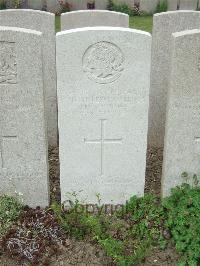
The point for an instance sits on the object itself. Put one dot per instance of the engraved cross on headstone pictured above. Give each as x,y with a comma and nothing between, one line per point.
4,137
102,141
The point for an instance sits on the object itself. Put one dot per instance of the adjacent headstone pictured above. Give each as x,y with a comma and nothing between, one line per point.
188,4
52,6
172,5
101,4
45,23
182,135
24,4
35,4
148,6
23,147
103,86
82,4
163,26
92,18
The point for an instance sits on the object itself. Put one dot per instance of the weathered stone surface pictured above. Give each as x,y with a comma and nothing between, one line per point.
182,135
103,111
92,18
23,149
148,6
45,23
35,4
164,25
172,5
188,4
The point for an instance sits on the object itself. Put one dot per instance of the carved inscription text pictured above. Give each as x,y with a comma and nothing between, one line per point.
8,63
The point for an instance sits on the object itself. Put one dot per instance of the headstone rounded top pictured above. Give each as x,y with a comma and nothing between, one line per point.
168,13
93,18
44,13
103,28
18,30
183,33
103,62
95,11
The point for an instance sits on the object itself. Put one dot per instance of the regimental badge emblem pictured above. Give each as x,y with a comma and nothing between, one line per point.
103,62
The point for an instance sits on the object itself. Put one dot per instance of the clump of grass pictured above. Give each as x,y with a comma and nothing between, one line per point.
129,234
2,4
183,210
123,8
10,210
162,6
126,236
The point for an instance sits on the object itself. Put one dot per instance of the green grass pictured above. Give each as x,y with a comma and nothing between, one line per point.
129,234
137,22
57,24
142,23
10,209
126,236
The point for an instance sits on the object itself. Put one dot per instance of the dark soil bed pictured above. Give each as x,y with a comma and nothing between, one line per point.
81,254
85,253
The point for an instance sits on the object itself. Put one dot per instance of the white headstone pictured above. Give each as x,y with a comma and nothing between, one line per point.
35,4
188,4
101,4
23,147
172,5
82,4
45,23
103,111
182,135
92,18
164,25
148,6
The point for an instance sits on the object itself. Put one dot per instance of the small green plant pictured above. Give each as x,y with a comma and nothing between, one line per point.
183,209
123,8
130,232
132,229
110,5
10,209
2,4
148,216
16,3
162,6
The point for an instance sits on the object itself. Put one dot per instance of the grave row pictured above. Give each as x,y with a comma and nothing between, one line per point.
111,88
